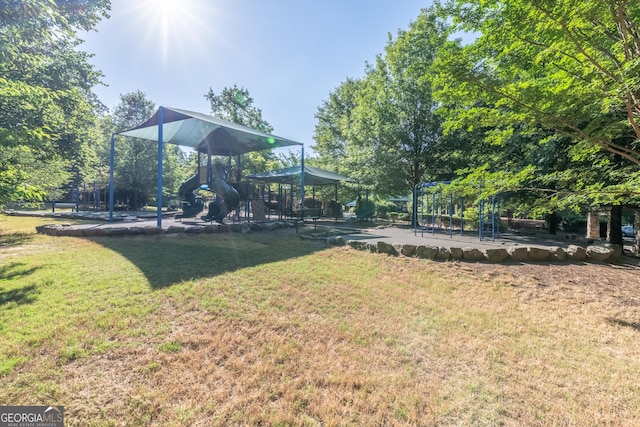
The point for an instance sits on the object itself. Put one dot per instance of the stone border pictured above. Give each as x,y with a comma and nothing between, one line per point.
69,230
591,253
607,253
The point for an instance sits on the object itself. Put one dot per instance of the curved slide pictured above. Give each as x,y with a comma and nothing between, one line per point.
227,199
191,204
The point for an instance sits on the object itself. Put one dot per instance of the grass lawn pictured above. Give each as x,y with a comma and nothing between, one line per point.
269,329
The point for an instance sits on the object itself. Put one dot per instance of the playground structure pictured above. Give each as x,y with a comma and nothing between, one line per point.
284,203
214,178
435,201
206,135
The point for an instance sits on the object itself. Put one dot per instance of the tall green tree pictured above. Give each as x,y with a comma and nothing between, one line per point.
235,104
385,125
47,109
570,66
137,159
565,66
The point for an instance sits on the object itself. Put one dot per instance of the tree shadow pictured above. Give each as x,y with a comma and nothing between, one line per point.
169,259
620,322
24,295
15,270
15,239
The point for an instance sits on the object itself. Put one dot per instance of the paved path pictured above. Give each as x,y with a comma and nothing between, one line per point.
392,234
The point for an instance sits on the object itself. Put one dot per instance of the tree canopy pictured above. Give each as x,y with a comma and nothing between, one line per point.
570,66
384,126
236,105
48,108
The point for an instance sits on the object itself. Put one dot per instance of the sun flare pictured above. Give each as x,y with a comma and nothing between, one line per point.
172,25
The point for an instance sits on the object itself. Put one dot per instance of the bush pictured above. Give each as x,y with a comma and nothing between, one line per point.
383,209
365,208
404,216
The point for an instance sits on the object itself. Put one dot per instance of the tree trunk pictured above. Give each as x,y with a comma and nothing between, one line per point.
614,227
135,200
553,221
636,238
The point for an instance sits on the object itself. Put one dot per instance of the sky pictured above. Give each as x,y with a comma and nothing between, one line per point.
289,54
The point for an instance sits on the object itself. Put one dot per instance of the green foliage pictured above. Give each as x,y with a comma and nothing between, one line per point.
365,208
384,207
48,109
236,105
136,159
571,67
171,347
382,130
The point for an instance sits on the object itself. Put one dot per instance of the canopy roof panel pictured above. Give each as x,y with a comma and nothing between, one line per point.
312,176
206,134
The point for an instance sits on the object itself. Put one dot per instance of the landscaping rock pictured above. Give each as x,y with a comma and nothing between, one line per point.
518,253
176,229
617,249
255,226
116,231
136,230
426,252
210,229
557,254
576,253
408,250
270,226
372,247
194,229
443,254
538,254
599,253
456,253
335,241
496,255
89,232
386,248
73,232
472,254
357,244
150,230
41,229
398,247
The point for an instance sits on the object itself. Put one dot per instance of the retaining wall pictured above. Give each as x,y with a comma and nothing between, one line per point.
590,253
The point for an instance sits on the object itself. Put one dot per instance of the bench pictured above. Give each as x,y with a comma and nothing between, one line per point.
313,214
73,206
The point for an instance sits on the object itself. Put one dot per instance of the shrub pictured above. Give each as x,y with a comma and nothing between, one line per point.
365,208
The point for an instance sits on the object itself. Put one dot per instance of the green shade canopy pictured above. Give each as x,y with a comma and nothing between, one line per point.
206,134
292,175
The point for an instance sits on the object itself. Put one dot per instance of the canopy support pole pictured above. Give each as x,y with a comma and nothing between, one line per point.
335,206
112,157
160,154
302,180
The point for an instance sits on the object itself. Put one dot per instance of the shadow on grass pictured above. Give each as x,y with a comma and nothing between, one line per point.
620,322
15,239
15,270
169,259
24,295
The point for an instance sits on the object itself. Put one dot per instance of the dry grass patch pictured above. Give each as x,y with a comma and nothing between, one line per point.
331,337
